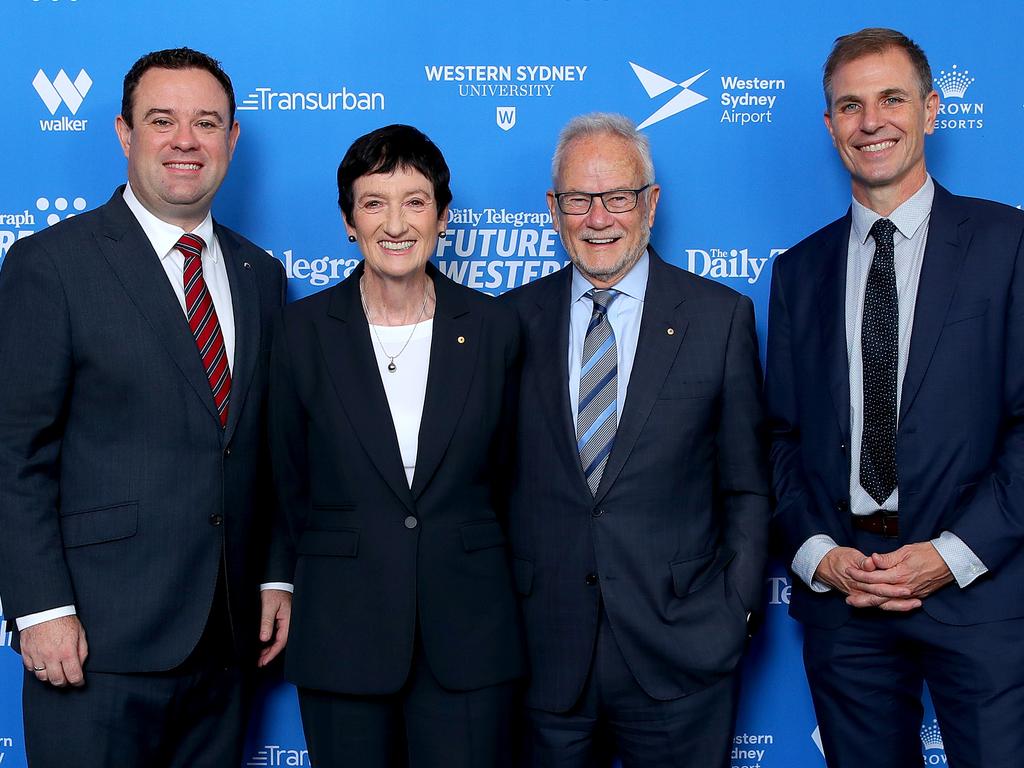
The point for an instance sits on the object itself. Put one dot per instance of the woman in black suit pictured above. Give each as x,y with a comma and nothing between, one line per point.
388,396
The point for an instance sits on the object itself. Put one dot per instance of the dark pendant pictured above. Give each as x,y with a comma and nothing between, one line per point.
392,367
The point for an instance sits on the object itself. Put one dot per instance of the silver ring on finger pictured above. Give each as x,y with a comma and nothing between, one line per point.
38,669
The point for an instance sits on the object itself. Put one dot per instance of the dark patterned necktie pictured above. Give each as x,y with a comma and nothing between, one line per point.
880,352
202,319
596,421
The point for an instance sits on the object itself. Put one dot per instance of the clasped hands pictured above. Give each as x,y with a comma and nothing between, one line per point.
896,581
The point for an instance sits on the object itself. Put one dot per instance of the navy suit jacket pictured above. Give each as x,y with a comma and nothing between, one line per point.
960,439
120,492
676,533
377,562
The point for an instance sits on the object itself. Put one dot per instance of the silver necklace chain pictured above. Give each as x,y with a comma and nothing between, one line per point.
391,358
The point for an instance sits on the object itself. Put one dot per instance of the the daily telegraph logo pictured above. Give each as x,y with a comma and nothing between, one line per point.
745,99
932,749
318,271
276,99
495,249
15,225
62,90
958,114
272,755
728,263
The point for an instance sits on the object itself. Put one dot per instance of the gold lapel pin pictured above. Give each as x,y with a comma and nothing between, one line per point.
247,265
671,331
462,339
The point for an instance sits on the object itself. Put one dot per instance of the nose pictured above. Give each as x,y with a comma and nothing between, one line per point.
394,223
598,217
871,118
184,136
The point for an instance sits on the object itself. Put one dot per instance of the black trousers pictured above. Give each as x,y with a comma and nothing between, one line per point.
193,715
424,725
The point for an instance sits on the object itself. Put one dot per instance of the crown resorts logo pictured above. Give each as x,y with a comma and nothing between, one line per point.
656,85
933,750
958,114
62,90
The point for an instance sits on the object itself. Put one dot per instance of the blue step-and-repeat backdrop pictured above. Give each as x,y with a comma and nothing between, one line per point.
729,93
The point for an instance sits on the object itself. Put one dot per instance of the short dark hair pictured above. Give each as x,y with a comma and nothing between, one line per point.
383,151
174,58
871,41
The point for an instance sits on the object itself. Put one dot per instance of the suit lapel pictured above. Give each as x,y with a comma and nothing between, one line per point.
454,348
831,292
662,329
943,258
245,308
131,257
344,338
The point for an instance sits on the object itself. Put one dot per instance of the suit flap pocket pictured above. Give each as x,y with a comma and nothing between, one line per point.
482,535
341,543
960,312
522,570
690,575
95,526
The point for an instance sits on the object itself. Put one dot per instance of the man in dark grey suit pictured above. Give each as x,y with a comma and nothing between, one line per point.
639,517
134,341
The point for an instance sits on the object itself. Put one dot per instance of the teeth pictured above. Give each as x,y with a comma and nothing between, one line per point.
601,240
878,147
184,166
390,245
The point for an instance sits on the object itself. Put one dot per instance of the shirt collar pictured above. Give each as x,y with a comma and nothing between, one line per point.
907,218
163,235
632,284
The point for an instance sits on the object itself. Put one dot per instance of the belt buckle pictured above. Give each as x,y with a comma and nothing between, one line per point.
888,518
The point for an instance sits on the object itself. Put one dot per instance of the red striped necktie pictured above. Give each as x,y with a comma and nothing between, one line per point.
202,319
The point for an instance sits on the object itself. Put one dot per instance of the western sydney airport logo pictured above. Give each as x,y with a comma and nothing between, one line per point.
957,114
265,98
62,90
745,100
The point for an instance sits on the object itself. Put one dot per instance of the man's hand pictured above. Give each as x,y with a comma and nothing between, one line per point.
274,622
833,569
900,580
54,651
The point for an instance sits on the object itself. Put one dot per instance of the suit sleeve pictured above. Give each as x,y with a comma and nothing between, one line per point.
36,358
794,514
991,520
742,472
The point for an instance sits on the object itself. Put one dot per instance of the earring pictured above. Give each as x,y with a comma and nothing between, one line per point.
351,238
442,234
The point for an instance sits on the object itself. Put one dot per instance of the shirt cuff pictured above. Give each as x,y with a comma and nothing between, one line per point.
282,585
24,622
960,559
809,556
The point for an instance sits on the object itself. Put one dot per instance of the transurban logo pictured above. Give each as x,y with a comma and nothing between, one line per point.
932,749
267,99
274,755
736,263
656,85
62,90
958,114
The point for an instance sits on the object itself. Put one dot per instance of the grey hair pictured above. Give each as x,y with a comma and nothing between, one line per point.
603,124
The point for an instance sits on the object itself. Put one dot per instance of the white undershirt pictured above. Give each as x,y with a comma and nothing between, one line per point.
406,386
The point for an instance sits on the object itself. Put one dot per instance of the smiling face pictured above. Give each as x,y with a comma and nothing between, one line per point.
602,245
396,222
878,120
181,144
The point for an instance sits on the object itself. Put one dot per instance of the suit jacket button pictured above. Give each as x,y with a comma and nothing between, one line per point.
411,522
591,579
227,451
216,520
842,506
597,512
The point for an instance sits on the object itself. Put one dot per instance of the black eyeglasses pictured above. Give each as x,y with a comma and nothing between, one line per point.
614,200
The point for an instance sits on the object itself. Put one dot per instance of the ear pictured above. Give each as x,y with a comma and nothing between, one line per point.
553,209
442,221
828,125
653,195
124,134
931,111
233,139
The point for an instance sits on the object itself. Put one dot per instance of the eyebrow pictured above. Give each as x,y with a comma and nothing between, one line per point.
199,113
883,93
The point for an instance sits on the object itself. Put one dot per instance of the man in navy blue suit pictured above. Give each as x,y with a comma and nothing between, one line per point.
895,388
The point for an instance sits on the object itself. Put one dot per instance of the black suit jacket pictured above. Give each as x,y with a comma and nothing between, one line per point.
372,556
119,491
960,440
677,531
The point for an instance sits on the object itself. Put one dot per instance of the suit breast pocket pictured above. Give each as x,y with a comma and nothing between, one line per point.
970,310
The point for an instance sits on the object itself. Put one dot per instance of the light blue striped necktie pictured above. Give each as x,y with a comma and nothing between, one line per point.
596,419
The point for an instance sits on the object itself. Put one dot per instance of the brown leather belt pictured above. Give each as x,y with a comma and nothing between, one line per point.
880,523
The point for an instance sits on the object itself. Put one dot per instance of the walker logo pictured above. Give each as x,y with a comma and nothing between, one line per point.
735,263
934,751
656,85
5,639
274,755
505,117
62,90
958,114
267,99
